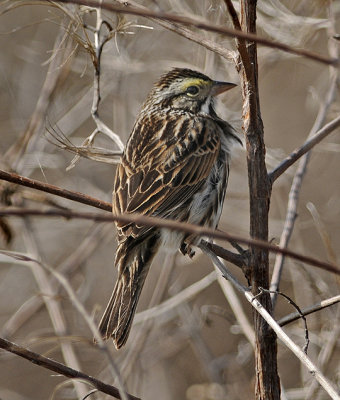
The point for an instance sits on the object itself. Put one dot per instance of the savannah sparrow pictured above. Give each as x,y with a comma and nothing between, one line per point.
175,165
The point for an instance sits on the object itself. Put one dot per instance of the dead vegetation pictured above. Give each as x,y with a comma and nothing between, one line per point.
72,79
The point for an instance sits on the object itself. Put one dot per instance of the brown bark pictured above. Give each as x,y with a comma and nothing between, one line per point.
267,384
61,369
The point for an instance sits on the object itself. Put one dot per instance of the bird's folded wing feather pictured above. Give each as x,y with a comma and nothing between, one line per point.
160,171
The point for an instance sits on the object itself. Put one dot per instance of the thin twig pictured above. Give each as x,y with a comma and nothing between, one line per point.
67,267
17,150
190,322
184,295
236,306
147,221
301,171
243,57
45,187
325,236
172,225
60,368
205,26
329,344
24,258
53,306
239,260
143,333
305,360
57,138
309,310
223,269
99,42
188,34
300,151
298,310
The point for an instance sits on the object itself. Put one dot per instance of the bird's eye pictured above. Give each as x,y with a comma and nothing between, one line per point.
192,90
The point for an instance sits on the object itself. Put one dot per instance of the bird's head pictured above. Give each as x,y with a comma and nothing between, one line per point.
187,90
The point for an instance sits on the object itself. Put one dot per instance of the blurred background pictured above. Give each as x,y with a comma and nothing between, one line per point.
196,349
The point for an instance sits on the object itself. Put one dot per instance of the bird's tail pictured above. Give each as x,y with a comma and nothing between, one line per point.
133,265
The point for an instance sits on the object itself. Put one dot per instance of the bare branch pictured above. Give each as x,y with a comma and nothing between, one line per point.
298,310
99,234
128,56
183,296
16,151
267,381
237,259
52,305
325,236
243,58
188,34
205,26
313,370
99,41
301,171
24,258
60,368
236,306
173,225
305,360
148,221
300,151
309,310
45,187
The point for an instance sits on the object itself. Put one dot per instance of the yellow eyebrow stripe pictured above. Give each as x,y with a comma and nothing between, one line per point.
194,81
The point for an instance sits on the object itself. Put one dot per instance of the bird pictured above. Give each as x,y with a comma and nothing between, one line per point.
175,165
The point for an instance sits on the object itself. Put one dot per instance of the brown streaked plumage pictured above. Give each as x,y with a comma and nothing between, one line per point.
175,165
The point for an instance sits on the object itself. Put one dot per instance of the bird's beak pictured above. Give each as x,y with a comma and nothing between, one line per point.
221,87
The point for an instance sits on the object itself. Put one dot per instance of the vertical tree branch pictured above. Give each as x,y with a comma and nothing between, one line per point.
267,384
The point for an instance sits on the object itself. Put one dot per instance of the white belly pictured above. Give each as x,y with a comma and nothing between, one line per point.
205,210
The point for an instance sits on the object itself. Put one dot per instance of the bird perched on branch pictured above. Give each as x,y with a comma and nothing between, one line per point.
175,165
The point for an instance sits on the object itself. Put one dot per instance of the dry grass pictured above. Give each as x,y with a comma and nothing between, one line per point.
192,351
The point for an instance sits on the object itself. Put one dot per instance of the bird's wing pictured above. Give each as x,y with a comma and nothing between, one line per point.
162,168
